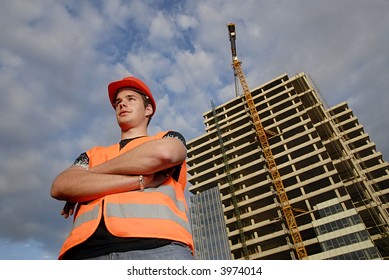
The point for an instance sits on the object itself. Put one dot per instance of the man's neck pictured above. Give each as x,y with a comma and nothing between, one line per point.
133,133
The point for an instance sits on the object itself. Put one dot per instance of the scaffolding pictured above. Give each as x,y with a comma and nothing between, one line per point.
239,223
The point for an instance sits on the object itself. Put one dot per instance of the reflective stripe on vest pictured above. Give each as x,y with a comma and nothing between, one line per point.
139,210
151,211
147,211
169,191
87,216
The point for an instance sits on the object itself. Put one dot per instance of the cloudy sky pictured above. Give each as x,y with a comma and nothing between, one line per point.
57,57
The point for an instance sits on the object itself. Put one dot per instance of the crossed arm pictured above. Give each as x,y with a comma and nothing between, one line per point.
121,174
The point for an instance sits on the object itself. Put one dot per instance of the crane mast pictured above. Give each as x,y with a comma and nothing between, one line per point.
261,133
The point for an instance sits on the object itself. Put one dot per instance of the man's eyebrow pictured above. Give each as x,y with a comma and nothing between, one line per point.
127,95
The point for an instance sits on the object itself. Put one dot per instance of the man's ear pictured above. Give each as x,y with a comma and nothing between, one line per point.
149,110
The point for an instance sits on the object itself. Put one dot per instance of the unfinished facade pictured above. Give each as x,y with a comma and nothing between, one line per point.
322,154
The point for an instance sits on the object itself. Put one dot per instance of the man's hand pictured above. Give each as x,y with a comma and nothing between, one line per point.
68,209
156,179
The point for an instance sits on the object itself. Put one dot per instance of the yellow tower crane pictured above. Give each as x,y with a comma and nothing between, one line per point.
261,133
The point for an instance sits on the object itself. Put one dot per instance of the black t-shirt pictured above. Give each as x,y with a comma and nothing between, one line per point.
102,242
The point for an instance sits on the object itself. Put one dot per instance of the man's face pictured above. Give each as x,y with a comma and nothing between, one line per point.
130,109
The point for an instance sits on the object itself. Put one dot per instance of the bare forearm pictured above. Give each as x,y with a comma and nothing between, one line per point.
148,158
78,185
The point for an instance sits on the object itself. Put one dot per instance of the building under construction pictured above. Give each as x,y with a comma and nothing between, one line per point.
333,203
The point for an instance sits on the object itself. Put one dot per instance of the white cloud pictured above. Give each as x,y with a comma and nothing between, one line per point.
148,64
186,22
119,12
56,59
161,28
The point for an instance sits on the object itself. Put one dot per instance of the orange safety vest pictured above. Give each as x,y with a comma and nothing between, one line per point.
154,213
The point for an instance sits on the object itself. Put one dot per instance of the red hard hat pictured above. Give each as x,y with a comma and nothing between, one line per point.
130,82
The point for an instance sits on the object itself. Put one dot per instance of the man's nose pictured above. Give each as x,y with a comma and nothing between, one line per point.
122,104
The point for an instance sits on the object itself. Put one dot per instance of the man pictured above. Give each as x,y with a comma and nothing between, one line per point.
130,196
